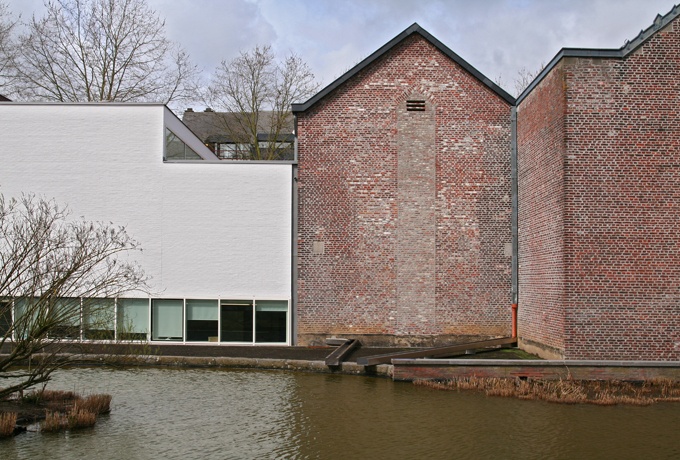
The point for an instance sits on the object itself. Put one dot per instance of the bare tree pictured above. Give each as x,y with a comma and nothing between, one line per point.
256,91
57,277
101,50
7,48
525,77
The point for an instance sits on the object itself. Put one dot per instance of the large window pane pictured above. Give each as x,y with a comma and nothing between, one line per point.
236,317
202,321
133,319
64,318
271,319
5,316
99,319
167,317
176,149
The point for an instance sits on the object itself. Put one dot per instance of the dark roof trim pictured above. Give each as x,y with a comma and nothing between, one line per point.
620,53
414,29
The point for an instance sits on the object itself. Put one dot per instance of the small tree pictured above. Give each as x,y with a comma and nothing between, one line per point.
256,92
52,270
7,48
101,50
525,77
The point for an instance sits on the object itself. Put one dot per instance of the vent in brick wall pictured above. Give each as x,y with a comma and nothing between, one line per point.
415,106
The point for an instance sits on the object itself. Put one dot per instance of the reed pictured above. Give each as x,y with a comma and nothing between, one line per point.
97,403
603,393
54,421
80,418
8,421
44,395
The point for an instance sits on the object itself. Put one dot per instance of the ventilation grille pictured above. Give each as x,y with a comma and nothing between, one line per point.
415,106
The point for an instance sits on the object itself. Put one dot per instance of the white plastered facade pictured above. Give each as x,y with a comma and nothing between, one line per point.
208,229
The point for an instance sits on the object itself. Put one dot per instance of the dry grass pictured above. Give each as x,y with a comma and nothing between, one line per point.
8,421
44,395
97,404
604,393
74,419
54,421
79,418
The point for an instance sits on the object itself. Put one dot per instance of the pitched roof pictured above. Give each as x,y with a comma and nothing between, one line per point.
613,53
210,126
414,29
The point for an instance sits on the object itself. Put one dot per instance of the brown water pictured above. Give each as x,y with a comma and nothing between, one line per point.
207,414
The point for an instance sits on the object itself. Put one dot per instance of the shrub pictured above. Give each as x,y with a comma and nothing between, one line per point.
97,404
8,421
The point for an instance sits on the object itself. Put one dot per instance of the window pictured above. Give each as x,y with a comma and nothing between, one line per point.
176,149
236,319
64,313
167,318
233,151
132,320
202,320
261,321
99,319
180,320
271,319
5,317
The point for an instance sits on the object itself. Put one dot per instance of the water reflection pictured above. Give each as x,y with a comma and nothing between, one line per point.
160,413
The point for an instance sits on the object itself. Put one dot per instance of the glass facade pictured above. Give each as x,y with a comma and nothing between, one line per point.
176,149
227,321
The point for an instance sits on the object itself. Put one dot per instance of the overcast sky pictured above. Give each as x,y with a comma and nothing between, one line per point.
498,37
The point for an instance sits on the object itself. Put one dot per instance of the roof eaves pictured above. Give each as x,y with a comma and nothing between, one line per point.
414,28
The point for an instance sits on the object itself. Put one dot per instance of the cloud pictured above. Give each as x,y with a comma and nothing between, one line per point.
498,37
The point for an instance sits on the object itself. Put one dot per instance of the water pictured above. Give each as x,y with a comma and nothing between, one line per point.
208,414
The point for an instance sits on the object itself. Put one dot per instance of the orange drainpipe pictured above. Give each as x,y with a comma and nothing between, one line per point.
514,320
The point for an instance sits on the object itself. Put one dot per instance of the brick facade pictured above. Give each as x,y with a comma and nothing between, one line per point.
541,144
404,216
599,199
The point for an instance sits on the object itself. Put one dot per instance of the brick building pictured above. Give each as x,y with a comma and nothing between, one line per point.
406,189
404,200
599,201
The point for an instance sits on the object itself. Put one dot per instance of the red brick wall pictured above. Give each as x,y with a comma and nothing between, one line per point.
621,207
368,176
623,216
541,147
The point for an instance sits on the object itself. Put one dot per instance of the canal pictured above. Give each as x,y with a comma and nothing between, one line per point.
238,414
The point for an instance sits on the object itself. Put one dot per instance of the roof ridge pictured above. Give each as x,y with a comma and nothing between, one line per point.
659,22
414,28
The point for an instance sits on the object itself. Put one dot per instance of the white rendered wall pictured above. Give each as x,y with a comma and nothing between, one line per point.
206,229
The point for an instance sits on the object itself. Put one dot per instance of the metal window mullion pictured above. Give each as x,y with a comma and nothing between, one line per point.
254,325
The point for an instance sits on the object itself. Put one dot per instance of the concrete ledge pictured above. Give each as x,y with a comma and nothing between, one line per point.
446,369
383,370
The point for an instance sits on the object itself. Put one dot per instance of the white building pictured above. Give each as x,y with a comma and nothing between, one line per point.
216,236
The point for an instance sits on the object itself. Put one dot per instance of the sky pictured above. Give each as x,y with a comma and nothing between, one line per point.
498,37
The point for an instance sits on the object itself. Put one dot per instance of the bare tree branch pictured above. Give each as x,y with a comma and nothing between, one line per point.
101,50
8,49
256,92
56,275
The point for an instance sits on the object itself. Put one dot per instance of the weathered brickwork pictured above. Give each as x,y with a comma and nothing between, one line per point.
541,145
614,195
404,216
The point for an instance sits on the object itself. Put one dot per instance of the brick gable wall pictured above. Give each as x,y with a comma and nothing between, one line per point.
404,216
541,145
620,182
